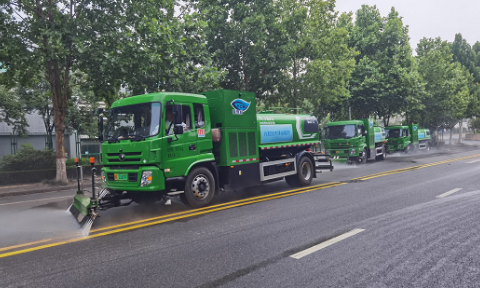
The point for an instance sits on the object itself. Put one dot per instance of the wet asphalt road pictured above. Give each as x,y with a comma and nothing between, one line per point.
410,236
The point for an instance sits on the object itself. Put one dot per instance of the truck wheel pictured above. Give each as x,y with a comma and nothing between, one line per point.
363,159
199,187
408,149
304,174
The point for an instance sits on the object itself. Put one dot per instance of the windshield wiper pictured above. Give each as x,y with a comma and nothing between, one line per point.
136,137
113,139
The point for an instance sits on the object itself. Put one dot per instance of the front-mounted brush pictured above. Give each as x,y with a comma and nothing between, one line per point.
84,207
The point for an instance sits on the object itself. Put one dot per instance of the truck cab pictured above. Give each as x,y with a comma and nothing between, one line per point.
355,140
142,154
407,138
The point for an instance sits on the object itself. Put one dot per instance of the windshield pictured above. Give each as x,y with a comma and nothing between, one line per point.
340,131
394,133
134,120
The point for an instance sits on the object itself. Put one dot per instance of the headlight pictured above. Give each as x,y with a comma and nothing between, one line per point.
146,178
353,152
104,180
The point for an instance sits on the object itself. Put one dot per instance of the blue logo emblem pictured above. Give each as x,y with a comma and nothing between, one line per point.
414,128
371,124
239,106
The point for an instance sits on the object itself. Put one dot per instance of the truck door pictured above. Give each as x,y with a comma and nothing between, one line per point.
204,140
179,154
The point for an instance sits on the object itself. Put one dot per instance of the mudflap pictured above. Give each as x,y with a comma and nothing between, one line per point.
322,162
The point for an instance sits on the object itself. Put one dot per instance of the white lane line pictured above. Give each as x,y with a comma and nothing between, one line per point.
472,161
44,199
449,193
325,244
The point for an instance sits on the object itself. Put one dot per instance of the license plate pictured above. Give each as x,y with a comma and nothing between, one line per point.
120,177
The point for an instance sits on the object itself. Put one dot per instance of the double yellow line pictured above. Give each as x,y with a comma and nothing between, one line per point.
190,213
413,168
158,220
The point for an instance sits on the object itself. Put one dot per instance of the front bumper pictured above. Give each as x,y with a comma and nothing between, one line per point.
134,178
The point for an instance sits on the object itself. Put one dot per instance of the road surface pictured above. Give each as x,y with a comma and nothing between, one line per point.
407,221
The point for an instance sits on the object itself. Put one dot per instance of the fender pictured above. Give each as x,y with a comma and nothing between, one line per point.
211,165
309,155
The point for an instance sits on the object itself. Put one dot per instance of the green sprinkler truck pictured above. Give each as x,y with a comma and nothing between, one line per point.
355,141
407,138
197,145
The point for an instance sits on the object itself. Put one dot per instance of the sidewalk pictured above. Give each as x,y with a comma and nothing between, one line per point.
27,189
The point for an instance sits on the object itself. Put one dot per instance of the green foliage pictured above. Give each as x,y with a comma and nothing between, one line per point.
446,84
385,80
83,162
12,111
28,158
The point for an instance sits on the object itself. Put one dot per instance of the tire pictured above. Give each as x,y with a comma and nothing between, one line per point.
304,174
363,159
199,187
384,154
408,149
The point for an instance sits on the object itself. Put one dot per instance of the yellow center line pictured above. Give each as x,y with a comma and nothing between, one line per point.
413,168
163,221
210,207
74,235
25,244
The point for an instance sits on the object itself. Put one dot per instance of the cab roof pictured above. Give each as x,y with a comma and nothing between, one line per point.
161,97
348,122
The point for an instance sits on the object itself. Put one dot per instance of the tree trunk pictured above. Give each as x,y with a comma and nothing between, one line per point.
460,132
451,135
59,99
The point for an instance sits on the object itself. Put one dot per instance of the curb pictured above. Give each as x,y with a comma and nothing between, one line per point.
41,190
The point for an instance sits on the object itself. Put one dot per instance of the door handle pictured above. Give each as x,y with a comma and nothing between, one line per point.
192,147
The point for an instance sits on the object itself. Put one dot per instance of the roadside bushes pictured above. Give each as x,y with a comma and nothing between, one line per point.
83,162
28,158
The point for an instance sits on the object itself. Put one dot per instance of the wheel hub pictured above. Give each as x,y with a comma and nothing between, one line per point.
200,187
306,170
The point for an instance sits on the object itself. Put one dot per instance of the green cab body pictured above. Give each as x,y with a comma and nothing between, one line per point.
407,138
353,140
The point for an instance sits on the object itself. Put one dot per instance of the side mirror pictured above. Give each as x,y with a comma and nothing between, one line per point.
100,128
98,111
177,114
178,129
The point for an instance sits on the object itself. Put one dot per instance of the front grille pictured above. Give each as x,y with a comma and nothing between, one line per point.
119,167
110,177
126,154
125,160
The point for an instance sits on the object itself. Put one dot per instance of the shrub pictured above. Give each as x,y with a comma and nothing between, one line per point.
83,162
29,158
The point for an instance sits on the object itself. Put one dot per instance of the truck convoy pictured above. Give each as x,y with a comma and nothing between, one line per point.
355,141
407,138
201,144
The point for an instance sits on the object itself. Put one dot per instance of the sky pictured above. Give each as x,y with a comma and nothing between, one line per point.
429,18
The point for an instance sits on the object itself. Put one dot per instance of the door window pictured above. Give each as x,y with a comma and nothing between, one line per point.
199,116
186,121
